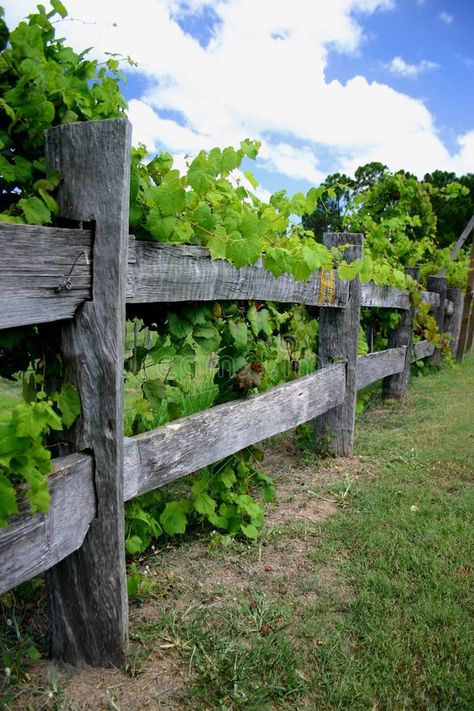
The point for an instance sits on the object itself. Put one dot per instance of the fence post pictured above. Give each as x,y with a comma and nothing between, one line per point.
396,386
438,285
466,313
452,323
88,593
338,338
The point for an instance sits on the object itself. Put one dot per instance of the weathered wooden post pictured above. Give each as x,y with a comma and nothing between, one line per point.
438,285
452,322
466,313
88,593
338,338
396,386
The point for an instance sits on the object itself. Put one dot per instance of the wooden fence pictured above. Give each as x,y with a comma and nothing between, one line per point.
82,276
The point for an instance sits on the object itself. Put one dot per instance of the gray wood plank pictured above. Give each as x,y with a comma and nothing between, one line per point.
389,297
185,445
338,338
34,261
396,385
453,317
33,543
467,315
88,594
176,272
431,298
374,295
375,366
438,285
422,349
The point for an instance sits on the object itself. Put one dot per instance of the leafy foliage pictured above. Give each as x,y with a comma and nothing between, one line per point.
404,220
25,461
44,83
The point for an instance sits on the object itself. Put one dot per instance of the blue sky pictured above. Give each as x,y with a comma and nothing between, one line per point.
326,85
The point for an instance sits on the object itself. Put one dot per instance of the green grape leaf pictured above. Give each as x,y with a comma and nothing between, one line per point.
134,544
160,165
230,160
170,198
239,332
174,518
249,531
179,327
8,504
227,477
35,211
69,403
367,269
242,251
251,178
217,243
154,391
204,504
161,228
250,148
203,217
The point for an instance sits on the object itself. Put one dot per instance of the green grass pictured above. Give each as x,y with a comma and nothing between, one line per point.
10,394
406,543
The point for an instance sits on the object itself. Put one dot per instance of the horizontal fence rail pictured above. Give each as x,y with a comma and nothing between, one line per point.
423,349
193,442
33,543
166,272
45,273
375,366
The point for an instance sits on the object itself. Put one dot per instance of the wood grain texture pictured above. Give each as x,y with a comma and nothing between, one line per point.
33,262
452,321
176,272
338,337
32,543
396,385
431,298
467,319
375,366
449,306
422,349
438,285
389,297
185,445
88,596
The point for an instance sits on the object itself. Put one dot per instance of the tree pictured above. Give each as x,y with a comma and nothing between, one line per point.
453,209
329,213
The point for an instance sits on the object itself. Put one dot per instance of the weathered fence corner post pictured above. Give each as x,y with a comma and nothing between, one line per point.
452,322
396,386
467,322
438,285
338,338
88,593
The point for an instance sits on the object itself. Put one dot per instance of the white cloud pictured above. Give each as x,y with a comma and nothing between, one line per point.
446,17
262,75
401,68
